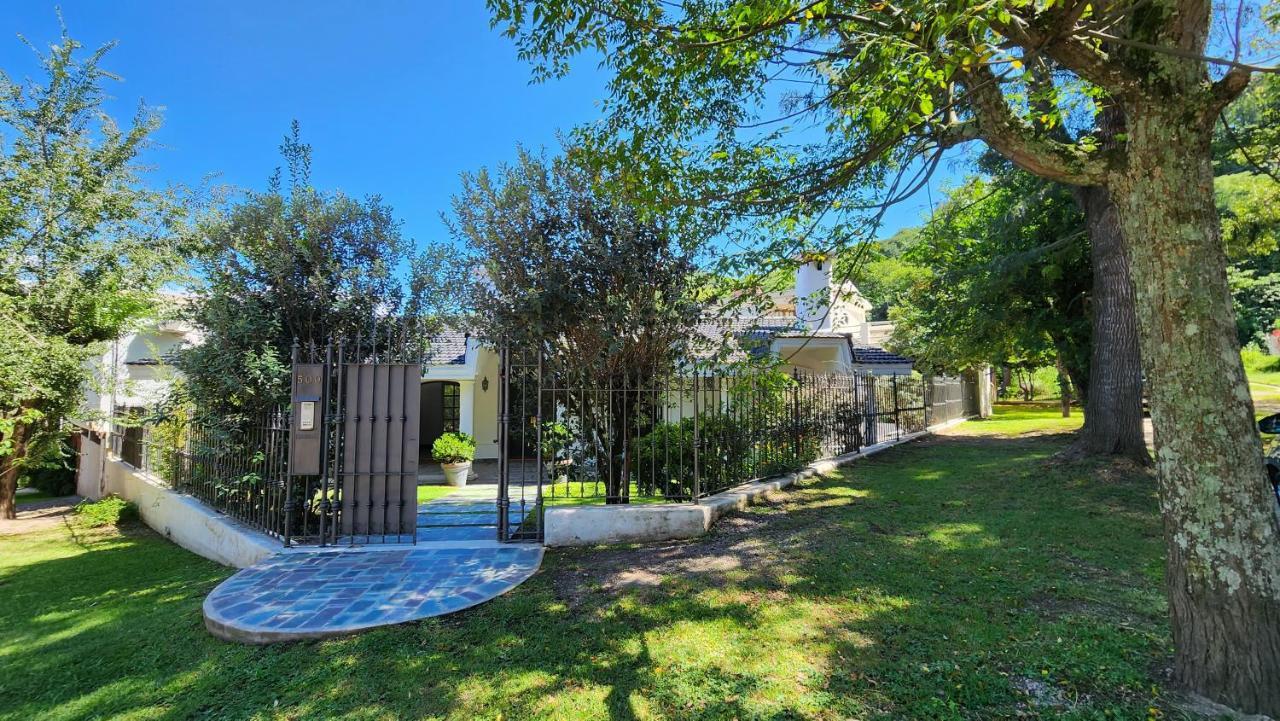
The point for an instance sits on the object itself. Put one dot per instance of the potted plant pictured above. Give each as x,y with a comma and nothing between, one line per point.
454,452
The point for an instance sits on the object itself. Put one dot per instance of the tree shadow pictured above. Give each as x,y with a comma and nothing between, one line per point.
921,582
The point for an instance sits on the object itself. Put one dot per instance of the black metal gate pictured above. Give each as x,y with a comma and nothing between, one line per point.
520,446
353,446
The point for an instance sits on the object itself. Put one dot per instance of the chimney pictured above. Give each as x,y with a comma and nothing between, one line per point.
813,292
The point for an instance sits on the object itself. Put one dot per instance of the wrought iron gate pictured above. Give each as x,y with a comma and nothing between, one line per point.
520,447
353,446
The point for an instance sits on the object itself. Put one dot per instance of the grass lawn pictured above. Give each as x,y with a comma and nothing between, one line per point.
432,492
964,577
591,493
31,497
1015,418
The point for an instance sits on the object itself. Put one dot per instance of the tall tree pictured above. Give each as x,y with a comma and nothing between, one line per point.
605,295
84,245
890,82
1007,279
298,264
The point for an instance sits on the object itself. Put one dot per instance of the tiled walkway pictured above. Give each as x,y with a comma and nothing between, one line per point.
457,563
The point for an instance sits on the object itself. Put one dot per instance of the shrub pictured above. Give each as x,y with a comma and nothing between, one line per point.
454,448
728,453
53,473
107,511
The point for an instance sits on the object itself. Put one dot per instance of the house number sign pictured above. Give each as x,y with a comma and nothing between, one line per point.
306,435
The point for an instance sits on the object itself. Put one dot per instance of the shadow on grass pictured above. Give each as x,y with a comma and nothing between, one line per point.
924,582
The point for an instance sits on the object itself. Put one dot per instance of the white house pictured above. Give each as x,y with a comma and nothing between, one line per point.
133,372
815,327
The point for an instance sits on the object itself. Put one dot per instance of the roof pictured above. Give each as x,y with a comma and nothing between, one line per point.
449,348
749,335
875,355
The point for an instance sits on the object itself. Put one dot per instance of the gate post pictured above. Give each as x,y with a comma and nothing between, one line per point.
926,387
897,418
324,440
697,478
288,474
504,377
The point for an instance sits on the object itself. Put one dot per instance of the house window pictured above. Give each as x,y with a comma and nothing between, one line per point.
450,407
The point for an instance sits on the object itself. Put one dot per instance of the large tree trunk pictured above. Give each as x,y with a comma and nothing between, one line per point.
1113,398
9,476
1221,525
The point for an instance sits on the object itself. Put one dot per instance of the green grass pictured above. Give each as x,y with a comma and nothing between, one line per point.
1260,367
926,582
590,493
22,498
1015,418
432,492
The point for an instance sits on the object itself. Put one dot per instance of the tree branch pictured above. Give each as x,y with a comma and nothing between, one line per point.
1088,62
996,124
1226,89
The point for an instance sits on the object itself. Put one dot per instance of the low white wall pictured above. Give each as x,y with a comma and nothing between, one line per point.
639,523
177,516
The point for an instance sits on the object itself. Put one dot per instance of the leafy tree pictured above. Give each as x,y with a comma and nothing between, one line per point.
608,297
886,84
1247,158
1247,136
1250,208
294,263
1008,280
881,272
84,246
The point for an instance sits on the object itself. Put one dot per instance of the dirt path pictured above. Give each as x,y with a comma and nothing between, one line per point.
39,515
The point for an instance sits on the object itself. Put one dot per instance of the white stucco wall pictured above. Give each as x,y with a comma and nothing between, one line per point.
176,516
485,404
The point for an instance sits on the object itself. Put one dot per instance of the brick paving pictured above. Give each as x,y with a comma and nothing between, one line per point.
457,563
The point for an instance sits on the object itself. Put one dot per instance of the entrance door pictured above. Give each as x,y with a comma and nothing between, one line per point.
441,412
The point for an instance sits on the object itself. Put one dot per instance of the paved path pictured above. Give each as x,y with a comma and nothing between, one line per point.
299,594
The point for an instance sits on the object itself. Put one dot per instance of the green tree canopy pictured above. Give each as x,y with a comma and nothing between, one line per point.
1007,279
84,245
295,263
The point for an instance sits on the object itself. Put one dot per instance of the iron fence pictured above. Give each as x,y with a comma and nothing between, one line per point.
683,436
239,469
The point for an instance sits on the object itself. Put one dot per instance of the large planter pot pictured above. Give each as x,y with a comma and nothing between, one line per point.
455,474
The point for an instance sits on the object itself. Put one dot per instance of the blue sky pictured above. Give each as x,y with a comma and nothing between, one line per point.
397,98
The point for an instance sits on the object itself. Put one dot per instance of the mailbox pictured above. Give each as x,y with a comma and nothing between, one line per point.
306,437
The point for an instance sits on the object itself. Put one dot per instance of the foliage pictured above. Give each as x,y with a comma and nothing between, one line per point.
1247,136
297,263
604,293
574,270
881,271
106,511
1250,208
557,444
756,433
84,244
1004,279
454,448
53,473
955,569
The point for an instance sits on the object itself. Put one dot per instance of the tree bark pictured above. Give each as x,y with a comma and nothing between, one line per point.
9,476
1064,389
1221,526
1113,398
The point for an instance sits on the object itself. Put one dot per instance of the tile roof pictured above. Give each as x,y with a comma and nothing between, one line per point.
447,349
749,335
873,355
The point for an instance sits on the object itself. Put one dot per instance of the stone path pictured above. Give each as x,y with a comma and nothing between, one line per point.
315,593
